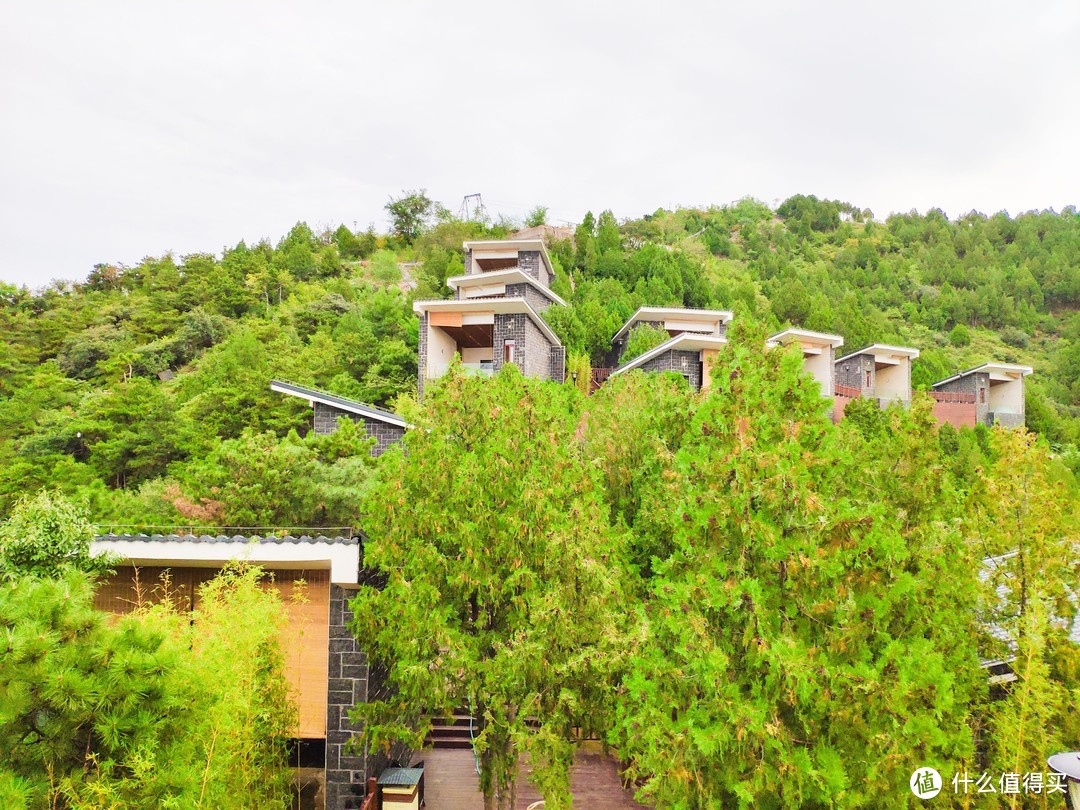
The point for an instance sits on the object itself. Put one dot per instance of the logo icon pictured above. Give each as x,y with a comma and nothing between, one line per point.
925,783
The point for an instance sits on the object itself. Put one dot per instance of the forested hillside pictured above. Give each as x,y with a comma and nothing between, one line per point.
144,391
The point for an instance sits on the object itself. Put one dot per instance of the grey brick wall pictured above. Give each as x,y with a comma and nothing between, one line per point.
347,685
851,372
536,299
687,363
422,353
973,384
529,262
533,354
468,261
386,436
1008,420
558,364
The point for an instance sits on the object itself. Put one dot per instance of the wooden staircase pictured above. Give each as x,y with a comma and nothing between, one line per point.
452,734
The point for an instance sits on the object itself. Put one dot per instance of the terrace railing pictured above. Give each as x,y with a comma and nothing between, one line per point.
953,396
848,391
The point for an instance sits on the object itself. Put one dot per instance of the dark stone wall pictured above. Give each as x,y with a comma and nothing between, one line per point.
536,299
851,372
386,436
347,685
529,262
533,354
421,361
682,362
558,364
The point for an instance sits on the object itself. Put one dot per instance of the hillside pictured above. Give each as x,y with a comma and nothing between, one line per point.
144,390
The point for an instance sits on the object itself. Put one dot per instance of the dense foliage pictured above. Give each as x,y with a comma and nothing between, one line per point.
502,564
816,597
124,390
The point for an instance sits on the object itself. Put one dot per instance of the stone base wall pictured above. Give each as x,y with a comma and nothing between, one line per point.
1008,420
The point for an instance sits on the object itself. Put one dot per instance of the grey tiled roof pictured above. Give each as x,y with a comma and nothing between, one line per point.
222,538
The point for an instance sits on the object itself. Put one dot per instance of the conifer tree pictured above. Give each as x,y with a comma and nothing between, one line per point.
504,581
791,623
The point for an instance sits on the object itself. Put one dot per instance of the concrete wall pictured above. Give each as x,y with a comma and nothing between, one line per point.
893,383
821,366
385,435
441,349
476,355
1007,398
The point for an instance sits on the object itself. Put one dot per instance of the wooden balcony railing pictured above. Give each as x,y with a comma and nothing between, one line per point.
846,391
952,396
599,376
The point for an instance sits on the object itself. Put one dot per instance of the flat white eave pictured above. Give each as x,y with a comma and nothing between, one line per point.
511,276
342,559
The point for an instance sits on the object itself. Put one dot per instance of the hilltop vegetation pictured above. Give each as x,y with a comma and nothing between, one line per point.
143,391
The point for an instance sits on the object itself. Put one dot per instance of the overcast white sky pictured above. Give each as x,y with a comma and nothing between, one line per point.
134,128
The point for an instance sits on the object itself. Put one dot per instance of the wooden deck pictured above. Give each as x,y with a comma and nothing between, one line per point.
450,782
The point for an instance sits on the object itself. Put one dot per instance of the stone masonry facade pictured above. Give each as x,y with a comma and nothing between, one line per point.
536,299
533,354
385,435
682,362
851,372
351,680
529,262
421,359
347,685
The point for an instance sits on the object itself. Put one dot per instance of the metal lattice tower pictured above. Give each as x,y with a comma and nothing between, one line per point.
472,207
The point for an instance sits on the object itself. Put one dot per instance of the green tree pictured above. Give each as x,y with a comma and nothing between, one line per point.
46,534
800,618
641,339
410,214
959,336
160,709
1022,517
504,580
536,217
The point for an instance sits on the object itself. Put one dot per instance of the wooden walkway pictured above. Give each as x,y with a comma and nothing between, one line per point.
450,782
